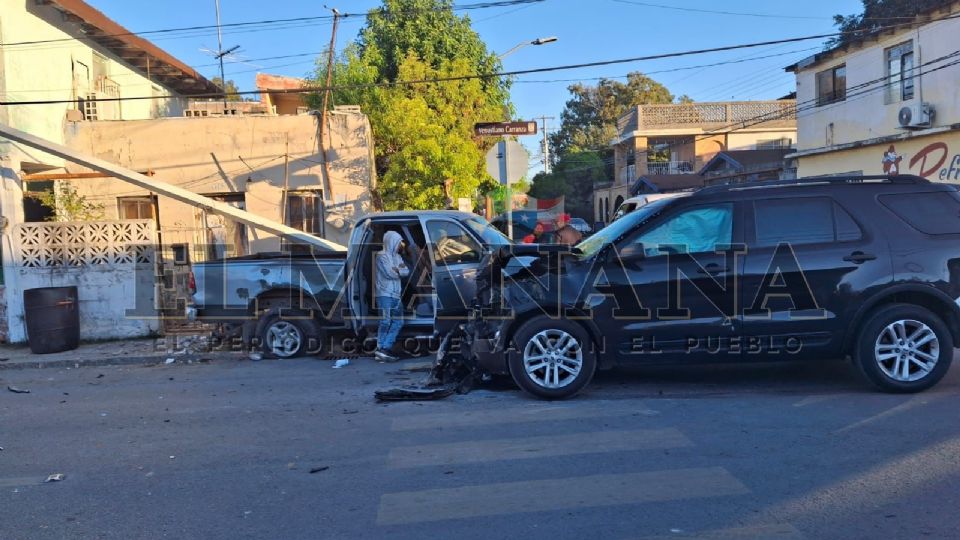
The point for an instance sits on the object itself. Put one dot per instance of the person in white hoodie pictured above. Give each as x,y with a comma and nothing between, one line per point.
390,268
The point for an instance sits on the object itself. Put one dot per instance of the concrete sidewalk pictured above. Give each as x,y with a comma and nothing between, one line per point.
147,351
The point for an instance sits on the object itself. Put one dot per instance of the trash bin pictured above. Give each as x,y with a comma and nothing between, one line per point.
53,319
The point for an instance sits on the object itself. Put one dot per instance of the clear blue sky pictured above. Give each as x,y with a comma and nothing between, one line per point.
588,30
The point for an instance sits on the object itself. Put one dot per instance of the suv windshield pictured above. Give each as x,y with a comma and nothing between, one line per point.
491,236
618,228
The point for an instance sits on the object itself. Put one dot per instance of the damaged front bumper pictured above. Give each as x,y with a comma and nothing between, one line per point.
484,344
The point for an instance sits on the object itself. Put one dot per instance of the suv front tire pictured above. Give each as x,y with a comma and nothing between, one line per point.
552,358
904,348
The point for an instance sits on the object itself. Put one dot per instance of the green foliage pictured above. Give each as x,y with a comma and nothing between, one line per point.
589,119
423,132
230,88
572,177
581,147
876,15
68,205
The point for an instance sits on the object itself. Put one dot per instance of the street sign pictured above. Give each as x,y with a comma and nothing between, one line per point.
500,129
508,162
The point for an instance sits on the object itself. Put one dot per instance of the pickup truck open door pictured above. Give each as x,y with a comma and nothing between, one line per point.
354,276
456,254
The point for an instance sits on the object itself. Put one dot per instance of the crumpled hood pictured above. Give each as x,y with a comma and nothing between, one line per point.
519,262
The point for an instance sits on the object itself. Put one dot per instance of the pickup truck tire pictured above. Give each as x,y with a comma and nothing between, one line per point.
288,334
904,348
552,358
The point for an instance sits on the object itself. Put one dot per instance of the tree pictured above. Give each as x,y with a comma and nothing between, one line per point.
581,147
423,132
231,88
878,14
573,177
68,205
589,118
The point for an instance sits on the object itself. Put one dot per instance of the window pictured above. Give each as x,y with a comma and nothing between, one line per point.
452,244
774,144
305,211
929,213
814,220
491,236
899,72
832,85
225,237
697,230
137,207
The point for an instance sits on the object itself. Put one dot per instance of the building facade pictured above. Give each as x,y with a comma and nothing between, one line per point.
680,138
272,166
888,103
86,68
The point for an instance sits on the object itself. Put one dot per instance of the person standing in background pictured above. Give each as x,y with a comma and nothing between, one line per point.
390,268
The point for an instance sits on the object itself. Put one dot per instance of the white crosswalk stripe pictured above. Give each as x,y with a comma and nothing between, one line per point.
535,447
765,532
515,415
556,494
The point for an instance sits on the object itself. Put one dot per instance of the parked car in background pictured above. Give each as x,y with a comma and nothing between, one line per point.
818,268
633,203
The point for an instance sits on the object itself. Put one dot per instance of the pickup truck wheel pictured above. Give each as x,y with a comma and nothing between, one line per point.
284,335
904,348
552,359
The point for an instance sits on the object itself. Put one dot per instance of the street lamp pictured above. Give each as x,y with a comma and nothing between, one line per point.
522,44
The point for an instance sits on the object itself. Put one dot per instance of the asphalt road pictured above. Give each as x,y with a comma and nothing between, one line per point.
295,449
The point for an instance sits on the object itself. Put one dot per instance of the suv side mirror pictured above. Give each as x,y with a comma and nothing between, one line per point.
633,252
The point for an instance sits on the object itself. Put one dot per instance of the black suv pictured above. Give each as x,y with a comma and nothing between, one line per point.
813,268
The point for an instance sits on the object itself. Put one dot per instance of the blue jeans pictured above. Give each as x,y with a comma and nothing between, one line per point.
391,321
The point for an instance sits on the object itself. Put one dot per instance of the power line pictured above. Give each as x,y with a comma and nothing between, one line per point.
671,70
314,89
748,14
859,91
717,12
267,22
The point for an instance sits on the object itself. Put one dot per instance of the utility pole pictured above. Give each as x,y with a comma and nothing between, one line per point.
328,188
546,146
220,54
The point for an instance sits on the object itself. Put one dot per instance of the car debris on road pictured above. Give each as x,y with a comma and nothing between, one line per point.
450,374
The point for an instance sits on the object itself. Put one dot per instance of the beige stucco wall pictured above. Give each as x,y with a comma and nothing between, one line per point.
867,115
218,155
933,156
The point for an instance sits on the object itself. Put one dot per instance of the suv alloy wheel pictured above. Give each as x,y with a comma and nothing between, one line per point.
904,348
552,358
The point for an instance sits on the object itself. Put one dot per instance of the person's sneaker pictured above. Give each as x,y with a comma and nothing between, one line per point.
384,356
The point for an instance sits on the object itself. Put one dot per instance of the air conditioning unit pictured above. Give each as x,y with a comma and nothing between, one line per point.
916,116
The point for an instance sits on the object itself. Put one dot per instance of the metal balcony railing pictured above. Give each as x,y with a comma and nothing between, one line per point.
670,167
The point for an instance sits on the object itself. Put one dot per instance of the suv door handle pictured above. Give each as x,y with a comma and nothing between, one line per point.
859,257
712,268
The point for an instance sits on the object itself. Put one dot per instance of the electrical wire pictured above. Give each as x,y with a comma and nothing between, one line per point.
267,22
482,76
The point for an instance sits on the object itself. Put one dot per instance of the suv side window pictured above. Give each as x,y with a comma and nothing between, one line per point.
930,213
695,230
798,221
452,244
